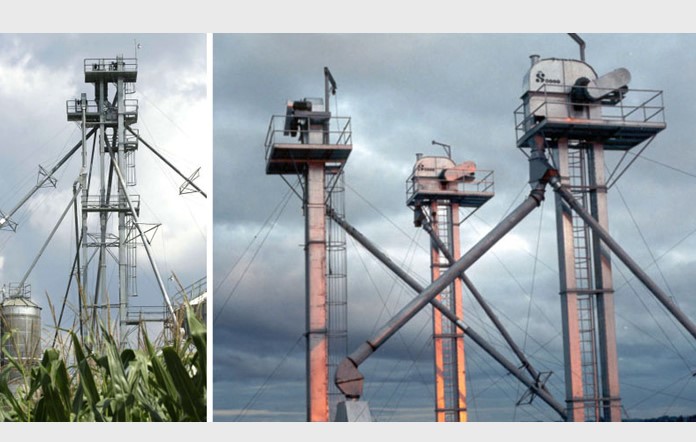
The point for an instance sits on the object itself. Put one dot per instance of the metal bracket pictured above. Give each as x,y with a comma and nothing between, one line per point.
152,228
540,169
6,223
539,384
44,179
186,186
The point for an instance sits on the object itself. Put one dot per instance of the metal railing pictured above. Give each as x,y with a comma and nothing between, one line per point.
191,292
483,182
115,202
150,313
160,313
15,290
74,107
634,106
339,133
111,65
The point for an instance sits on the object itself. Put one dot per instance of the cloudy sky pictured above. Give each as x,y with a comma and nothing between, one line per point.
402,92
38,74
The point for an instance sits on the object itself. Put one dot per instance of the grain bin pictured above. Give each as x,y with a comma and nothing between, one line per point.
20,328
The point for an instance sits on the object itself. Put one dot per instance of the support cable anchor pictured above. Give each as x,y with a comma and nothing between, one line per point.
45,179
187,186
6,223
539,384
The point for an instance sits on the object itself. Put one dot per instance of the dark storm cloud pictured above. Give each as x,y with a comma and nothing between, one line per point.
402,92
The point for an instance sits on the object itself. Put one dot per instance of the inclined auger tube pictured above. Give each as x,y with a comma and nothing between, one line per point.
8,216
348,378
484,305
624,257
48,240
188,180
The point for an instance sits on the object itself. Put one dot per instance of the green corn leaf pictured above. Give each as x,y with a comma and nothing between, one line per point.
19,411
107,384
118,374
55,388
87,378
189,395
78,403
163,381
197,332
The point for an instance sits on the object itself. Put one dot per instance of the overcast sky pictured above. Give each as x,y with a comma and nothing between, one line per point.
38,74
402,92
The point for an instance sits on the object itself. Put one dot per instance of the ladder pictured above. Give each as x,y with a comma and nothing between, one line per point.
586,300
336,284
132,257
130,168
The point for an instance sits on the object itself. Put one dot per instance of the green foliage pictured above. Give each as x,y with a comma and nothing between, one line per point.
133,385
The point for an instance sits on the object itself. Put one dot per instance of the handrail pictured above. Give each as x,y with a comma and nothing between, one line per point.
192,291
111,64
638,106
276,131
74,106
480,184
15,290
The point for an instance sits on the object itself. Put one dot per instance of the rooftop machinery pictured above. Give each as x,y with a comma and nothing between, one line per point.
109,123
314,145
577,116
436,190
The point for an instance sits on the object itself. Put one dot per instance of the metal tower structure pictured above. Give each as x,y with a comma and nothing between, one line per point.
436,190
116,165
578,116
107,213
314,145
566,108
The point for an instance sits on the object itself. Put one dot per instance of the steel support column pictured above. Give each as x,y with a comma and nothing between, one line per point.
569,304
100,289
606,322
122,234
449,362
624,257
587,306
316,320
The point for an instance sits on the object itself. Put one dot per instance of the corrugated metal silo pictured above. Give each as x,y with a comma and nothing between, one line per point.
20,328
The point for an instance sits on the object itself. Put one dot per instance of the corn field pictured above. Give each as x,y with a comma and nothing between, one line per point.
106,384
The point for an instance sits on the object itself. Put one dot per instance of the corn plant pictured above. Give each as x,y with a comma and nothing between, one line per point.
108,385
